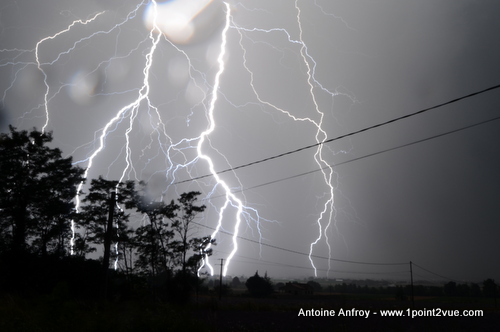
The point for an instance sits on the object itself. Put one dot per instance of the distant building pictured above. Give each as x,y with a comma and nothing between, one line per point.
297,288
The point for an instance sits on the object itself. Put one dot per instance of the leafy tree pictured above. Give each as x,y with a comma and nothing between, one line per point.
259,286
93,217
182,222
154,238
37,189
126,248
82,244
167,251
162,246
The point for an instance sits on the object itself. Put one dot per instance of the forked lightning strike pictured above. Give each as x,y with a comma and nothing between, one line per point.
321,136
39,64
192,149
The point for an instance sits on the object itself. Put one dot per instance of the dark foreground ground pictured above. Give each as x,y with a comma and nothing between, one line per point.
281,313
239,313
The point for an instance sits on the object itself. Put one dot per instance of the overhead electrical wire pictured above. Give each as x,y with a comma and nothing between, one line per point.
344,136
352,160
348,161
426,270
274,264
368,155
331,259
301,253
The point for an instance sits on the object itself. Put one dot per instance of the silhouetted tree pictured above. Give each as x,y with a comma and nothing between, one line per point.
259,286
490,289
189,249
236,283
92,219
37,188
182,220
82,244
153,239
170,253
126,248
315,285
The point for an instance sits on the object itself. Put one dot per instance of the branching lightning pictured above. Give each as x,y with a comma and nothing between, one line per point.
39,65
327,215
165,153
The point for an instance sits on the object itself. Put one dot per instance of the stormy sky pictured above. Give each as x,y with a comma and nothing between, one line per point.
421,189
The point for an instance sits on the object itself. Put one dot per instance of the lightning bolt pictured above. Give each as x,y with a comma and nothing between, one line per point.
39,64
166,153
230,197
131,108
328,213
326,169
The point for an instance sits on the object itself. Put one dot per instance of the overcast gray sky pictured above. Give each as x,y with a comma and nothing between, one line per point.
343,65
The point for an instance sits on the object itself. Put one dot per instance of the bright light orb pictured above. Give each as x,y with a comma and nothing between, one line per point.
84,86
185,21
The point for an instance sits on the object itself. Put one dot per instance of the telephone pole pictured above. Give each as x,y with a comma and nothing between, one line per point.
411,279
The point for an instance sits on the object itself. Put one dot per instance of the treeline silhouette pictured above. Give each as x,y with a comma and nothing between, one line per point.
45,243
488,288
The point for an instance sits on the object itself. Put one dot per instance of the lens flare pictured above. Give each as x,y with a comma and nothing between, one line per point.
184,22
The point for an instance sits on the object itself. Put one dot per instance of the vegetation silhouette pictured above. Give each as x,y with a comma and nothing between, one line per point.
156,263
259,286
37,191
490,289
37,188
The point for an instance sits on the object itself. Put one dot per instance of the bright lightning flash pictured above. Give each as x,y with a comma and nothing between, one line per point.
159,141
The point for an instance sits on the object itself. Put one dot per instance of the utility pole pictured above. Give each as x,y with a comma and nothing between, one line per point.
220,279
411,279
107,243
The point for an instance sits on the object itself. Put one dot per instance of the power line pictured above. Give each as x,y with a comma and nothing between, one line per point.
331,259
345,162
438,275
355,159
265,262
344,136
327,258
368,155
301,253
